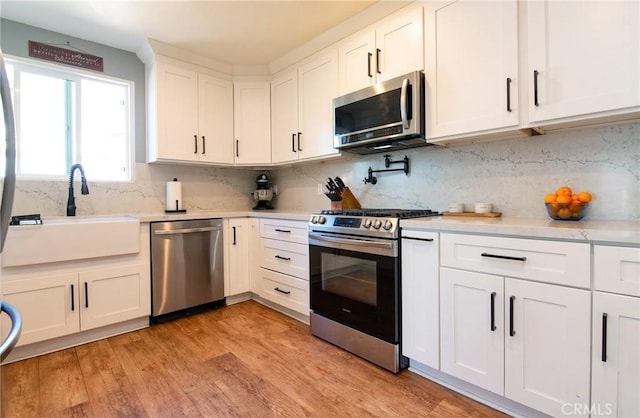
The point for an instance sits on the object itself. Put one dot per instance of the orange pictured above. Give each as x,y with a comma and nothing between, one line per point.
585,197
575,198
563,198
564,190
564,213
550,198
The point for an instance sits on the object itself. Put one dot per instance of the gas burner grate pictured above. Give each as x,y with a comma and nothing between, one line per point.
383,213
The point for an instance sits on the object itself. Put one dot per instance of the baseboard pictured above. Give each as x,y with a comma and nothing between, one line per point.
60,343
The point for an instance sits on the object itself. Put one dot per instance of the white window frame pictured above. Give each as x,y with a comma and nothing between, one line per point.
76,75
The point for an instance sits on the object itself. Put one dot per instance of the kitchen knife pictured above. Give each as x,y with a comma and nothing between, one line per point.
332,185
340,184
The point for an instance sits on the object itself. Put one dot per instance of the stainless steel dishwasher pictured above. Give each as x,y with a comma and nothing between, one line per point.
186,267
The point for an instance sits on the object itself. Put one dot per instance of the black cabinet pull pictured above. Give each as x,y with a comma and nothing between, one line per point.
86,295
535,88
508,94
282,258
493,311
293,142
73,301
378,51
419,239
195,144
512,331
369,56
286,292
604,337
503,257
299,136
234,235
204,144
283,230
237,147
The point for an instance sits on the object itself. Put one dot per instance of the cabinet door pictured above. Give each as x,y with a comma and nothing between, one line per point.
49,306
252,122
356,58
238,242
177,113
471,343
317,87
547,341
284,117
420,298
471,54
112,295
215,122
585,55
399,45
616,355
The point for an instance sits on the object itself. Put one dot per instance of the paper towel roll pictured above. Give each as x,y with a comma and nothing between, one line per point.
174,195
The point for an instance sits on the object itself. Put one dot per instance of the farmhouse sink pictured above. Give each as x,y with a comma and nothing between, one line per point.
71,238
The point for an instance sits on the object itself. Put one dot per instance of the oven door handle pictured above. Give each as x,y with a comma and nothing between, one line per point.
326,238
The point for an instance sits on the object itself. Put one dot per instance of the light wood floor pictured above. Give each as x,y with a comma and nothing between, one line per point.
242,360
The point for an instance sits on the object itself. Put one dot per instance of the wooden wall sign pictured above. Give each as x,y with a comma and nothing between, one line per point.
65,56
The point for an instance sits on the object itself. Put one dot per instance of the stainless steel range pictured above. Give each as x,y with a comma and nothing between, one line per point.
354,265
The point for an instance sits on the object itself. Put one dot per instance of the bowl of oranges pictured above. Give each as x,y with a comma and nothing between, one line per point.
565,205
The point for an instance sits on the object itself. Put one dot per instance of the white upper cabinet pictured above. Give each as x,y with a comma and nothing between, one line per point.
390,49
284,117
302,110
190,116
471,67
582,59
252,122
215,106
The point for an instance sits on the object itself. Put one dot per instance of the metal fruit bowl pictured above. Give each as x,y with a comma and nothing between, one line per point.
567,211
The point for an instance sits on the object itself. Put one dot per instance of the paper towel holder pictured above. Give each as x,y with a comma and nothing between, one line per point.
177,204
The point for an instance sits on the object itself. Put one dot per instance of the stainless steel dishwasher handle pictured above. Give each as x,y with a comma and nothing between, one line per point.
16,328
188,230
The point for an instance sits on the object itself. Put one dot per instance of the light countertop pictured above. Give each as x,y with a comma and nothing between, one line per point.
622,232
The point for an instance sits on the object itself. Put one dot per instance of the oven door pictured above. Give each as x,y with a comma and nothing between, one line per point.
356,283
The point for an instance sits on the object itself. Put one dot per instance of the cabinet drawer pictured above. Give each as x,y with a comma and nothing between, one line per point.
284,290
566,263
285,257
292,231
616,269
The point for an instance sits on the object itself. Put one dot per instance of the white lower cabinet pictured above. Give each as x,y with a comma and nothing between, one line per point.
66,303
420,297
547,357
283,275
471,344
237,274
615,356
514,321
527,341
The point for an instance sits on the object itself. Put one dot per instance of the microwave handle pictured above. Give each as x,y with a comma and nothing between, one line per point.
404,104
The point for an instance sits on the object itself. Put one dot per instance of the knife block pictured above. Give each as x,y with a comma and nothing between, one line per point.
349,201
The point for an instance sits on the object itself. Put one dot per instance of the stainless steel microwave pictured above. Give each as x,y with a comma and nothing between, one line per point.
384,117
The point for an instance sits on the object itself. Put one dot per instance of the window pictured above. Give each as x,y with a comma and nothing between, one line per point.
66,116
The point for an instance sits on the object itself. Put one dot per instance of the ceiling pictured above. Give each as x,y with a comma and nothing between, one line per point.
235,32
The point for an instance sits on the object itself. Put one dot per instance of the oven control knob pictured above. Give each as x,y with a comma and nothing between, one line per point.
367,223
314,219
322,220
377,224
387,224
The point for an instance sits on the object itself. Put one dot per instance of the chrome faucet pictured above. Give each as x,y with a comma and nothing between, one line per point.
84,189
